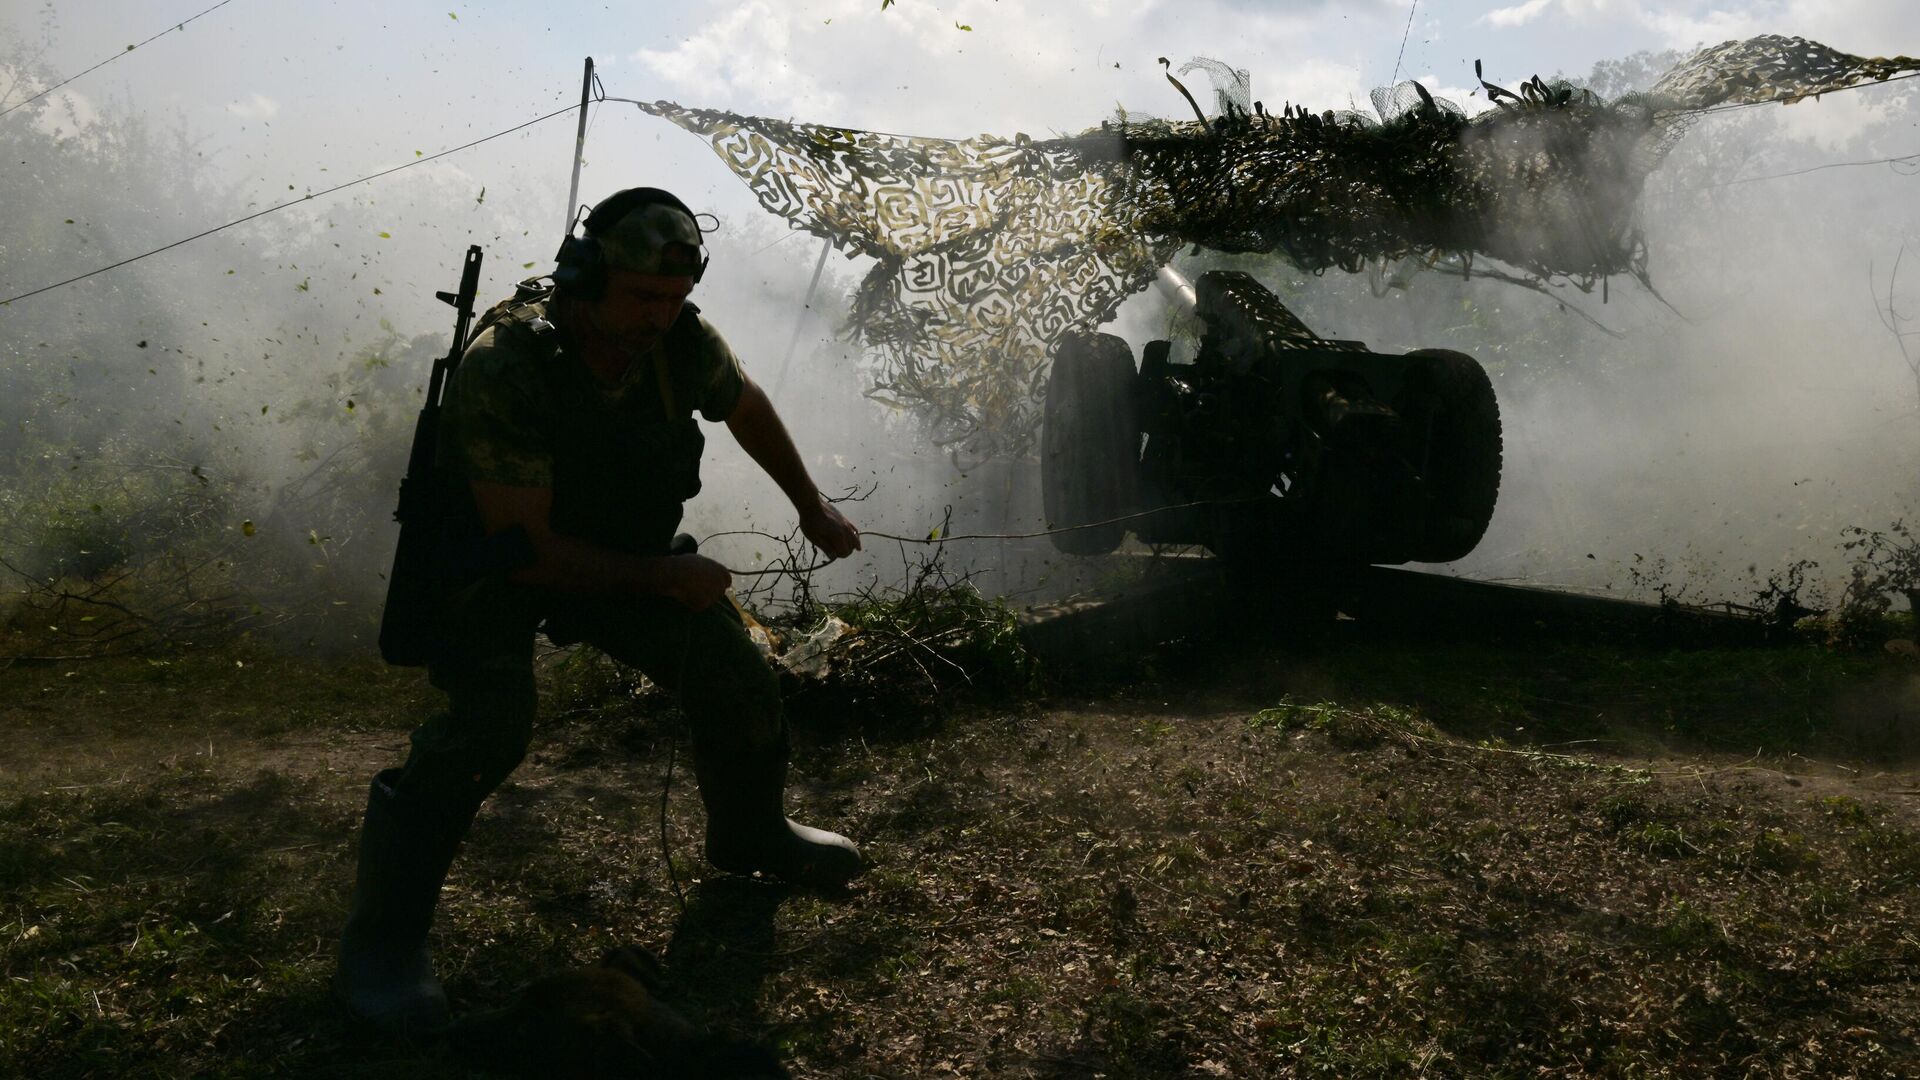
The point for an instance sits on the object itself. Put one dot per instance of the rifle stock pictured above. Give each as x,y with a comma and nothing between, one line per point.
407,624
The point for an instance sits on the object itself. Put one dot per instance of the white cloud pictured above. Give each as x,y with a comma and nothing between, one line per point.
1583,12
1865,27
748,54
1684,24
257,107
1034,68
1517,15
1869,27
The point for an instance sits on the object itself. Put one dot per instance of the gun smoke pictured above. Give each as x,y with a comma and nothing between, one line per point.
259,391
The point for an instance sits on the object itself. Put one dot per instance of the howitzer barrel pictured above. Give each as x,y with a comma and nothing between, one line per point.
1177,289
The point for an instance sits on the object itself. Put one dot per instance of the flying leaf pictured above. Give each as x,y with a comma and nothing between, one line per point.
452,16
963,26
935,534
386,236
526,266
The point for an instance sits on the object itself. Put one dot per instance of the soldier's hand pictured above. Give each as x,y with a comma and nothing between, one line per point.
829,529
698,582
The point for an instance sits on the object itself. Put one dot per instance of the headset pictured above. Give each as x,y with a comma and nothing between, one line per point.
582,265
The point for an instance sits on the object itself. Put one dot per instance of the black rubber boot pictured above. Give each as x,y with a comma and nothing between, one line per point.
748,831
386,975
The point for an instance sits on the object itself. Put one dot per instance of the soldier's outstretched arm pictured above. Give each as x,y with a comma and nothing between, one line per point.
757,427
570,564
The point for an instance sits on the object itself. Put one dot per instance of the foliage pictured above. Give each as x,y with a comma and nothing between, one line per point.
1347,727
940,617
135,547
1133,883
893,651
1886,563
163,483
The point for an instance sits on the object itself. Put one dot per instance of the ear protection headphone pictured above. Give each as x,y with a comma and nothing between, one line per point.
582,265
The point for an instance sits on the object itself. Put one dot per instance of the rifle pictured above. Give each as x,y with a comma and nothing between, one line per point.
407,625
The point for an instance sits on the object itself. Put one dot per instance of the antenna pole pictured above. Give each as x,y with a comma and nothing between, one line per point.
579,148
800,322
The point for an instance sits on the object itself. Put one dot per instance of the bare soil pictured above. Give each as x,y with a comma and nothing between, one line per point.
1340,856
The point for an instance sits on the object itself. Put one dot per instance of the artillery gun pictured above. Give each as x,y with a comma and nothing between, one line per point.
1295,447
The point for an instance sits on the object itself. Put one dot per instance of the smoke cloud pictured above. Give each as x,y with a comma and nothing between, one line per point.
260,387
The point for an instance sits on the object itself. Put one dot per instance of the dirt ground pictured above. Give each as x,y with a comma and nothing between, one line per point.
1343,856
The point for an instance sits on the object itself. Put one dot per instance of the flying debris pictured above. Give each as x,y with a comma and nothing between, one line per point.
991,249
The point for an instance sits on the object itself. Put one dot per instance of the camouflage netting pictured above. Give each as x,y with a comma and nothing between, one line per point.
989,248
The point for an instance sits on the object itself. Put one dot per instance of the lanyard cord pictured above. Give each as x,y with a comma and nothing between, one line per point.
935,539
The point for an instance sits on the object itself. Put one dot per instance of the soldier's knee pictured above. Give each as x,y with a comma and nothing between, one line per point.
498,739
494,757
467,752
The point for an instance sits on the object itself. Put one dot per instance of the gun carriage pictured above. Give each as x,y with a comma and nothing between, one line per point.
1297,447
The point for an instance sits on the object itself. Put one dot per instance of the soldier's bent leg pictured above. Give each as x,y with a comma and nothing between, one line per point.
418,814
732,700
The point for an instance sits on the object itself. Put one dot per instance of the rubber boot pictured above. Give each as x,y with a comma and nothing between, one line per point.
748,831
386,975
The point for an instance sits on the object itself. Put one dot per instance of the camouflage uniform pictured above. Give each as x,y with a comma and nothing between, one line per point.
523,411
620,460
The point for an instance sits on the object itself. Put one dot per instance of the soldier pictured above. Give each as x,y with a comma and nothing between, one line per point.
568,428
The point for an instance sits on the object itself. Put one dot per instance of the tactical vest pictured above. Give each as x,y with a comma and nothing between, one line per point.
624,464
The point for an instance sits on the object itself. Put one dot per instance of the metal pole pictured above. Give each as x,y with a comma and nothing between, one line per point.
786,362
579,148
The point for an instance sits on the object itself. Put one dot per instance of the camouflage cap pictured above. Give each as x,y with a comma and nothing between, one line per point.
653,239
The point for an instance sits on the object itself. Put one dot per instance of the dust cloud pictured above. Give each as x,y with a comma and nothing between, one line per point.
260,387
1705,435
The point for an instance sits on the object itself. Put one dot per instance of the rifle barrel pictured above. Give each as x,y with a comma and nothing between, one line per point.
462,318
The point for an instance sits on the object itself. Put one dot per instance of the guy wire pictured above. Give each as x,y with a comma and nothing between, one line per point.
181,25
1404,34
284,205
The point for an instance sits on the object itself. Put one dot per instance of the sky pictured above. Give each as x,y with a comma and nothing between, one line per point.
294,97
284,91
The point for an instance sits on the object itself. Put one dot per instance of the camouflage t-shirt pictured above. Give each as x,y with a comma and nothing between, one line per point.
505,407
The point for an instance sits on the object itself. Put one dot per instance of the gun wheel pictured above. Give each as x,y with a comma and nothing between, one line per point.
1451,392
1089,442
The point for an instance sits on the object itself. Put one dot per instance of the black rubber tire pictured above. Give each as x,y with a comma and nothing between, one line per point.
1089,442
1452,391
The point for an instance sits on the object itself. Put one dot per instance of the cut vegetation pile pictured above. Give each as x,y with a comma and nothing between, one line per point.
1338,857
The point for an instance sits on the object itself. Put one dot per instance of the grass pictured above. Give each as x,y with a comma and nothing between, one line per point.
1340,856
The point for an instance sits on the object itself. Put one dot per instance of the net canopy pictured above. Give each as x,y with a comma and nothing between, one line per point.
989,249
